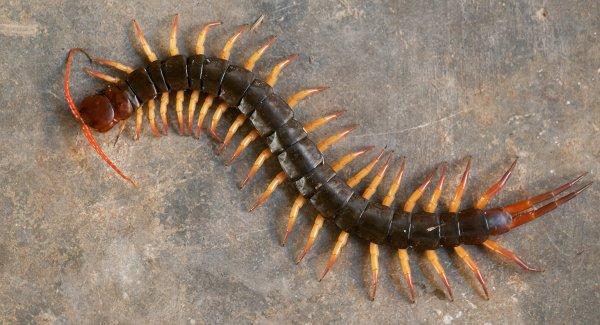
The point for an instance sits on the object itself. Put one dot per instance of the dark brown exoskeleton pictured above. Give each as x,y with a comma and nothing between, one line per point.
228,86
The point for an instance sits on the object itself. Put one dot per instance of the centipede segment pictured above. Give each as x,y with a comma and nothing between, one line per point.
214,81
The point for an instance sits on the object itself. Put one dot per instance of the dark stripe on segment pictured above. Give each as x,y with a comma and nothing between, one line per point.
300,159
154,70
311,183
331,197
449,230
124,87
212,76
348,218
142,85
285,136
271,114
374,225
174,69
425,230
234,85
399,235
473,225
195,65
254,96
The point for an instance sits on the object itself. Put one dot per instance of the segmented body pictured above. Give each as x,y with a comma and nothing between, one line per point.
299,156
302,161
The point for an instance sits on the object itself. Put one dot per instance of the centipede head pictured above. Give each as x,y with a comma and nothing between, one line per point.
102,111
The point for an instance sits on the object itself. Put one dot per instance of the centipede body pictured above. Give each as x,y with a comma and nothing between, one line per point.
302,160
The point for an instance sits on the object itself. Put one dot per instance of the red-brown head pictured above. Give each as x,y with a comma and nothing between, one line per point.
102,111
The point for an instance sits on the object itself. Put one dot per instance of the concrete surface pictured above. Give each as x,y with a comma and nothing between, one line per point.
435,82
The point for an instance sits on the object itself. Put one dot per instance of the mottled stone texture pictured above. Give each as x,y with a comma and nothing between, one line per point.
435,81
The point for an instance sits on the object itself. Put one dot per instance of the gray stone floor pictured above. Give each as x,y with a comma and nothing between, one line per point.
434,82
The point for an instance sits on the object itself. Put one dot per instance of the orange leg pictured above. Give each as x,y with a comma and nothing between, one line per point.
494,189
460,251
433,259
208,101
492,245
405,265
374,248
152,118
201,39
455,203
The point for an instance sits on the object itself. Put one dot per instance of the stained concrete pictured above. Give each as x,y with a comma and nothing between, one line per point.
433,81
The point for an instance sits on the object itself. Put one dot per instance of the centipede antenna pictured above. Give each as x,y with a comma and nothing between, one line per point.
460,189
405,265
216,118
139,119
462,253
208,101
274,74
435,197
521,206
300,200
226,51
202,36
435,262
409,205
316,123
494,189
87,132
173,49
304,93
524,218
251,62
114,65
497,248
192,110
102,76
152,118
339,244
352,182
179,98
164,105
143,42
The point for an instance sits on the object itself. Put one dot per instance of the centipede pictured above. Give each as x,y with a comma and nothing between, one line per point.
214,83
